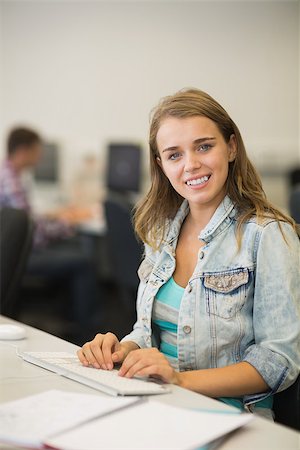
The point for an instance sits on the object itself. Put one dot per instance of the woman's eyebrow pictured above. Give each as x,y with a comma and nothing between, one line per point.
170,149
196,141
207,138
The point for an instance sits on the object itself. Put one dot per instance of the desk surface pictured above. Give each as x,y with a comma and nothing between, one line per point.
19,379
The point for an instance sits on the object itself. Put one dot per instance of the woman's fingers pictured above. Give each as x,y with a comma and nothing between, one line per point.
119,354
105,350
146,362
122,349
93,353
95,350
109,343
98,351
82,357
131,370
131,360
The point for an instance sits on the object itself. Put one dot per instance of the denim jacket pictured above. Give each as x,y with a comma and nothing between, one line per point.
238,305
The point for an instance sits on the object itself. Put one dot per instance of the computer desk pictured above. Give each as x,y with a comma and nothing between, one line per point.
19,379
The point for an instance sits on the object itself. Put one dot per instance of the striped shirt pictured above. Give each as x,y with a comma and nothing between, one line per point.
165,316
13,195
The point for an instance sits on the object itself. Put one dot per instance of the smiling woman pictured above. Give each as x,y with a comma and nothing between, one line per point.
197,167
219,281
243,184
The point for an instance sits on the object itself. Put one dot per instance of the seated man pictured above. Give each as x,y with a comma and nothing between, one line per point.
56,252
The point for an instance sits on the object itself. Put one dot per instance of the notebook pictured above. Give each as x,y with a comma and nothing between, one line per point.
72,421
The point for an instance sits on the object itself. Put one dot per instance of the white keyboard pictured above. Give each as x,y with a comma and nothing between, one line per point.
108,381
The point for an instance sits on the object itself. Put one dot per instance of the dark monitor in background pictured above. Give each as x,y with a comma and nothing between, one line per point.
294,176
124,167
47,169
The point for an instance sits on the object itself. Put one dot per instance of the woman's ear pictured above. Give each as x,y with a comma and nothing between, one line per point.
232,148
158,160
159,163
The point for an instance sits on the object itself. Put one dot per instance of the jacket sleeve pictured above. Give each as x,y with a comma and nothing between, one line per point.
137,335
276,313
141,334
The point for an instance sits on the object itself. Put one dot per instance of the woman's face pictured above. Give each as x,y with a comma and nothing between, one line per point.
195,158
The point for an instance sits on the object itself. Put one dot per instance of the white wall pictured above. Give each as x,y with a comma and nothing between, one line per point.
85,73
1,80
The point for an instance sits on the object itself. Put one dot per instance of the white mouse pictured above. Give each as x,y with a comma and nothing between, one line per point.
10,332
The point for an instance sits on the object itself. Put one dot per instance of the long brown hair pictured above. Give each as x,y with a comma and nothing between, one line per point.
243,184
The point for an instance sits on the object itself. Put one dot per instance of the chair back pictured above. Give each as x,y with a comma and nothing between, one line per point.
16,231
294,204
287,406
125,251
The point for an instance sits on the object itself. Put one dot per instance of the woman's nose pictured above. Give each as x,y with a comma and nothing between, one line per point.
192,163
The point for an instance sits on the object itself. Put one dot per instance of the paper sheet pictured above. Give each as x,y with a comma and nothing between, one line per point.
30,420
151,425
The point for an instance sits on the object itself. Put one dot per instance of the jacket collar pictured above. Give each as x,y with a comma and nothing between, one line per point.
220,220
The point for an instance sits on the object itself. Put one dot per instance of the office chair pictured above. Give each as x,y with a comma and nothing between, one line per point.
16,232
287,406
124,249
294,177
294,203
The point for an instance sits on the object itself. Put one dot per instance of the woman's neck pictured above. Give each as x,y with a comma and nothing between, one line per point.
200,215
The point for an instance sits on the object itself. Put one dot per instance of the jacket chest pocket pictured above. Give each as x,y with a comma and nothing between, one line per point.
226,292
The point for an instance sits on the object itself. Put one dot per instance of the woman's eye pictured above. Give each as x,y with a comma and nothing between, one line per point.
174,156
204,147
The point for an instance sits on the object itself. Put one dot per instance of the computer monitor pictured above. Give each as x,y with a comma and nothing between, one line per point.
47,169
124,167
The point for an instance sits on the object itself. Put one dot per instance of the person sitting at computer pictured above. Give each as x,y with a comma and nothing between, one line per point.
220,277
24,148
56,253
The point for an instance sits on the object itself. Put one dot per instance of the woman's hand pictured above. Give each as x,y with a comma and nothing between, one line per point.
105,350
149,362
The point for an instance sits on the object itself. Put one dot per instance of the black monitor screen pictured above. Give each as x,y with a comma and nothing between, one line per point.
124,167
47,167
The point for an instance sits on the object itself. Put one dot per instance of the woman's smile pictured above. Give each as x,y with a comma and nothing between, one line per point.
198,182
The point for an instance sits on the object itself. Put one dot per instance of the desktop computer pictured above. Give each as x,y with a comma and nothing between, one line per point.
46,192
124,168
47,169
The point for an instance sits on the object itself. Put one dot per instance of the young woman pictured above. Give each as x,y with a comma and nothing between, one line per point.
218,301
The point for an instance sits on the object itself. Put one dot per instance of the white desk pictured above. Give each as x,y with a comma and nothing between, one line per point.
19,379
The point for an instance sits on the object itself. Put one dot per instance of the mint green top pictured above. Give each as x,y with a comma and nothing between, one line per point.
165,316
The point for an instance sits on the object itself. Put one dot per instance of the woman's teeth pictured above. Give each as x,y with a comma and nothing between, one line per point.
197,182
